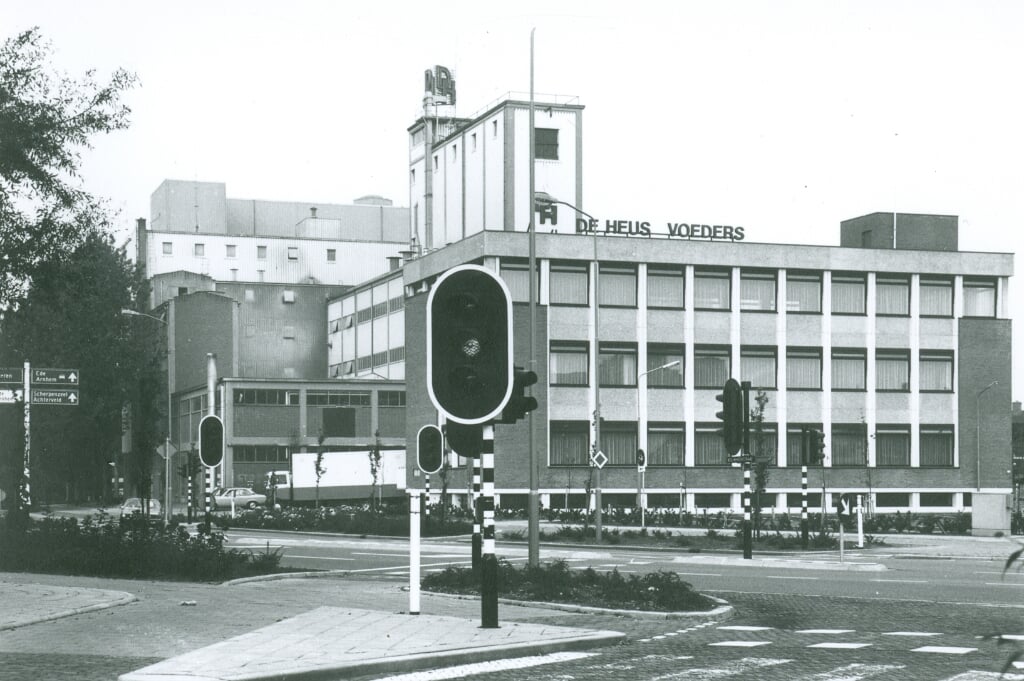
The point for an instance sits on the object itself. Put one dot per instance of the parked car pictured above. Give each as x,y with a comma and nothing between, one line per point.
243,497
134,505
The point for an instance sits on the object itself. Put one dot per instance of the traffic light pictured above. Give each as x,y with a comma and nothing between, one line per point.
817,447
211,440
519,403
842,504
469,344
641,459
429,449
465,440
731,416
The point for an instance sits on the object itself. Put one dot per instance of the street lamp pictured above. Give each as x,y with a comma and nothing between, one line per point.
977,434
545,199
640,470
167,443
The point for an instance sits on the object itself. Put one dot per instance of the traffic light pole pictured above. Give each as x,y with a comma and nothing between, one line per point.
477,514
211,410
804,539
747,458
488,561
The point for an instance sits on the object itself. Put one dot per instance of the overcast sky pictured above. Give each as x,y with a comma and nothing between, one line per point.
782,117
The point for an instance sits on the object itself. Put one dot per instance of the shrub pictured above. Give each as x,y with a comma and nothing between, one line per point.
131,547
557,582
360,520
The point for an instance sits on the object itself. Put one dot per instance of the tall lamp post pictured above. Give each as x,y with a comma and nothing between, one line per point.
546,200
977,434
167,441
640,467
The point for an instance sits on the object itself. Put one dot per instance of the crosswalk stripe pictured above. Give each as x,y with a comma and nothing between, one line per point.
911,633
948,650
985,676
740,644
732,668
825,631
741,627
852,672
463,670
839,645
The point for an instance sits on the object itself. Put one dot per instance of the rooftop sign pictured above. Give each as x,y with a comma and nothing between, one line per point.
548,213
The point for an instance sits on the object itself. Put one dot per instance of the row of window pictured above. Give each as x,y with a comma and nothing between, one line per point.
569,365
617,285
545,146
570,444
231,251
719,500
366,362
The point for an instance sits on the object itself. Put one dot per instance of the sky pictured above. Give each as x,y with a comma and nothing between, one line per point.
782,117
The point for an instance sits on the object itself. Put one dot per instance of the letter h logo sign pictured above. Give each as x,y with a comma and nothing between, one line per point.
548,211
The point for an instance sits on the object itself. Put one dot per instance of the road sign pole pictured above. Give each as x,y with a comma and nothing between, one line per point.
26,486
414,552
477,515
488,561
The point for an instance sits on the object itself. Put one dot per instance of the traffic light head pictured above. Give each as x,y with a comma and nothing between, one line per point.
817,446
469,344
211,440
519,403
429,449
731,416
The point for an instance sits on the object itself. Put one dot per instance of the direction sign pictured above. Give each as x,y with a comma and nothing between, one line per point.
63,396
8,396
55,376
12,375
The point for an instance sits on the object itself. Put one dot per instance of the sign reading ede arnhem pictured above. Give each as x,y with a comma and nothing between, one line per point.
677,230
55,376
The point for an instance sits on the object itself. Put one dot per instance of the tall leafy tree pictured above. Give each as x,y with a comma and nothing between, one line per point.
46,119
71,318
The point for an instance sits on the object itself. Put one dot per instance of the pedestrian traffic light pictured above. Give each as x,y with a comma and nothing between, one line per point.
469,344
731,416
211,440
429,449
519,403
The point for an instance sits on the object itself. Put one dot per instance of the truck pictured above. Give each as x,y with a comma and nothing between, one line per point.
346,477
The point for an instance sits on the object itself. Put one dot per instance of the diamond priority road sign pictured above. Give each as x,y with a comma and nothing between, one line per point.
63,396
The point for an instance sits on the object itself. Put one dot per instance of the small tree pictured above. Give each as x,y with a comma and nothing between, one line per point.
762,456
375,462
318,465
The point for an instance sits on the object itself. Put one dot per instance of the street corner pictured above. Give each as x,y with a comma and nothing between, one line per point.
26,604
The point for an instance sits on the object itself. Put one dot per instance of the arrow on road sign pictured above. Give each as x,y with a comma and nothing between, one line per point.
67,397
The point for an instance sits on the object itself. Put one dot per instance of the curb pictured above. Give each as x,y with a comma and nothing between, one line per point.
723,611
782,563
121,598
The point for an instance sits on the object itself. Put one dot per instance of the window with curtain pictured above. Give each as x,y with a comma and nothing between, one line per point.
570,443
711,366
712,289
658,355
892,446
803,368
849,369
616,365
764,441
709,447
619,442
665,287
937,446
979,297
758,365
794,442
757,290
936,371
849,293
849,444
617,287
569,285
936,297
516,276
666,443
892,370
803,292
892,296
568,363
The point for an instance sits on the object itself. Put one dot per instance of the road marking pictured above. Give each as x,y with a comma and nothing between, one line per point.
911,633
387,555
733,668
801,577
985,676
698,574
293,555
1012,637
946,650
825,631
464,670
740,644
852,672
902,581
839,646
1001,584
742,627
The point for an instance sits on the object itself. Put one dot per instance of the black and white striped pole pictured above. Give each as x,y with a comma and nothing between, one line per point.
488,561
414,552
804,530
477,515
747,459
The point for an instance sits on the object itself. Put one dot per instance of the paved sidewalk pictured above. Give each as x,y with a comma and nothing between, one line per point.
25,604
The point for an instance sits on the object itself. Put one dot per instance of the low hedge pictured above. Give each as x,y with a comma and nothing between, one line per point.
342,519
